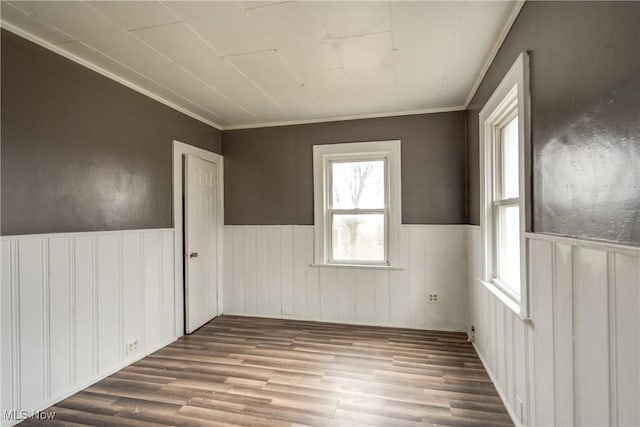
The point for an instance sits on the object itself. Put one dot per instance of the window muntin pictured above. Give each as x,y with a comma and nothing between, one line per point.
357,203
506,203
505,180
357,210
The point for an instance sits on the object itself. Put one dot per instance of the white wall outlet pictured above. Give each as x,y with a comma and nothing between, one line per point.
433,298
286,311
132,347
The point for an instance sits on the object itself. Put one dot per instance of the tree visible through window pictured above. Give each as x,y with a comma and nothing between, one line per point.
358,210
357,204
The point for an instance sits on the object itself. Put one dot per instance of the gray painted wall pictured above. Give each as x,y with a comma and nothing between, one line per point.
81,152
269,171
585,102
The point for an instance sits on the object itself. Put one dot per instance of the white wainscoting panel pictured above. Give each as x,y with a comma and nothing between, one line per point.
577,361
268,272
69,304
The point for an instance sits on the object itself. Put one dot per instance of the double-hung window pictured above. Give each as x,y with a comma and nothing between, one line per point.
357,210
357,203
504,144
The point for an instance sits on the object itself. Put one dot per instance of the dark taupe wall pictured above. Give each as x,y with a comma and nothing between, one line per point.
81,152
269,173
585,99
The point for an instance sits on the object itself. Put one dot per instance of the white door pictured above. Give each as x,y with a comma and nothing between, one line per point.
201,257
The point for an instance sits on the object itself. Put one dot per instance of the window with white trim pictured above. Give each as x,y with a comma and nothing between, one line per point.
504,142
357,203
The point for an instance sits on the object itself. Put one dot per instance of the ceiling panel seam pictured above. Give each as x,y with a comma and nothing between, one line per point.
294,74
393,49
150,27
333,48
363,86
138,39
450,50
263,6
106,73
226,60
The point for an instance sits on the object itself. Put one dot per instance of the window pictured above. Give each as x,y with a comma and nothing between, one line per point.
357,203
504,142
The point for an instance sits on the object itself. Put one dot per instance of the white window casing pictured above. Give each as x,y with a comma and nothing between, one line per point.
510,99
324,156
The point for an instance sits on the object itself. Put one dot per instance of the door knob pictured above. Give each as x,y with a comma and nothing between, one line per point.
193,255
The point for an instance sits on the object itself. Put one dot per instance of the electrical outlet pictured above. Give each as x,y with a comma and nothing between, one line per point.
433,298
132,347
286,311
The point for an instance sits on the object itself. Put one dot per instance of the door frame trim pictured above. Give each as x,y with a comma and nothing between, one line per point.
179,150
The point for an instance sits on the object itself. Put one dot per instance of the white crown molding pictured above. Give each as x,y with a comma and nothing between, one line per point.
494,50
60,51
344,118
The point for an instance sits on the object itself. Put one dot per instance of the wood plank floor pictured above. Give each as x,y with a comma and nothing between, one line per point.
270,372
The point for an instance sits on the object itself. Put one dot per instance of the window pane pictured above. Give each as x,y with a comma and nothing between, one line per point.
358,185
508,246
509,159
358,237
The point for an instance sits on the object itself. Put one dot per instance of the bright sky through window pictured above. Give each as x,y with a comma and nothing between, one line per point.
357,210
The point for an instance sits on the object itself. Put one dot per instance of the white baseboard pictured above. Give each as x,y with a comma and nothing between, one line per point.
70,304
70,392
576,362
503,397
267,272
378,325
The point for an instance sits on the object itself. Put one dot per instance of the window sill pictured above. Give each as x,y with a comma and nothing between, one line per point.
365,266
506,300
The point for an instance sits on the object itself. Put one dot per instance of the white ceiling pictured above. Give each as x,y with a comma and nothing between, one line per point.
246,63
